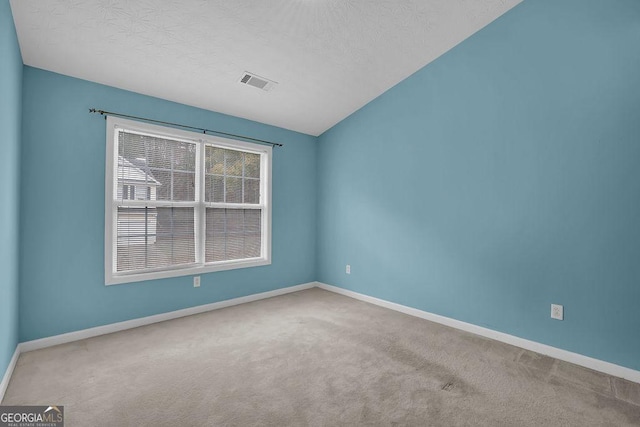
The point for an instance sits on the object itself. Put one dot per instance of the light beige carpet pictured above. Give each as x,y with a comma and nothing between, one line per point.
313,358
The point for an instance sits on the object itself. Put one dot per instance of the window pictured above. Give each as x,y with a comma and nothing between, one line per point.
180,203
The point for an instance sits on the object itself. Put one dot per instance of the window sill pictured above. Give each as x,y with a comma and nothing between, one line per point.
118,279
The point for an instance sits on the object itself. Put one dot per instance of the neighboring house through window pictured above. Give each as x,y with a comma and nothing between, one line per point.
134,180
180,203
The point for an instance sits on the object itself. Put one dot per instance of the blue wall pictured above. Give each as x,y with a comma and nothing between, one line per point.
10,116
62,251
501,178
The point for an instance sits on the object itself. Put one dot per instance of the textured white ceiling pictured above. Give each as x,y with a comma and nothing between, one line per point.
329,57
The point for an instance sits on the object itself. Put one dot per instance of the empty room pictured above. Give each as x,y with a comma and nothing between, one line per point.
320,213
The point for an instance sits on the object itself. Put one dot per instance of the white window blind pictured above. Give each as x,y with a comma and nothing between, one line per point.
232,178
179,203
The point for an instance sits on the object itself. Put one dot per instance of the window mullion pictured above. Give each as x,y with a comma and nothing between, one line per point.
199,223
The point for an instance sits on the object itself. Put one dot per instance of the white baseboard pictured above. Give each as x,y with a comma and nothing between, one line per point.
134,323
7,374
567,356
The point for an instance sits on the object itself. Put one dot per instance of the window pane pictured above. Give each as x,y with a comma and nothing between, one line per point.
252,165
165,165
214,188
154,237
214,160
218,189
231,176
233,190
163,192
233,163
253,232
184,186
233,234
251,190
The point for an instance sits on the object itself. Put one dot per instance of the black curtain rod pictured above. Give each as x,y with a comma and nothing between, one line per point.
203,130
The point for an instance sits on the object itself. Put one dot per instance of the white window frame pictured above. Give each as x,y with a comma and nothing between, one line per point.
200,266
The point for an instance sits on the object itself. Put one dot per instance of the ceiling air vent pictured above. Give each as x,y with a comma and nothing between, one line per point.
257,81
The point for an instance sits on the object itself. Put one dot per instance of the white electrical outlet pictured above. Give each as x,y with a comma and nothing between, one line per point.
557,312
348,270
196,281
